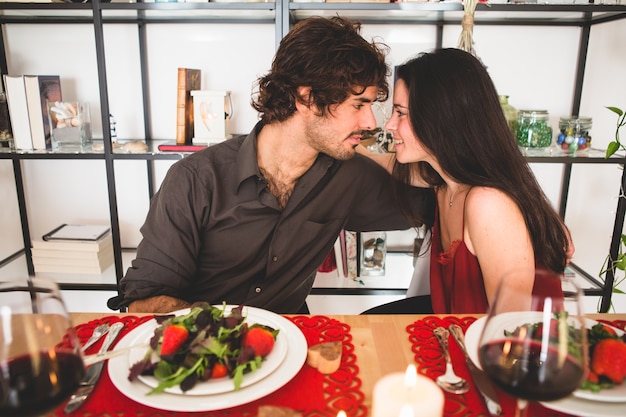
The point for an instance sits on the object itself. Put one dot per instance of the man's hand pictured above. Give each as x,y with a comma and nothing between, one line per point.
159,304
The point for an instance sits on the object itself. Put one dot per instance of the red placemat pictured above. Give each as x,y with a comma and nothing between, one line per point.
309,392
431,362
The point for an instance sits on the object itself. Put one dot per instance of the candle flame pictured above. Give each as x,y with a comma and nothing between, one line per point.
341,413
410,377
406,411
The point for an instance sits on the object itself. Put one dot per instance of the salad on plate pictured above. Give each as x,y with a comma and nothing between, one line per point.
204,344
607,353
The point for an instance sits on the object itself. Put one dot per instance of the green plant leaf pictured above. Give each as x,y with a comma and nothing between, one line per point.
611,149
615,110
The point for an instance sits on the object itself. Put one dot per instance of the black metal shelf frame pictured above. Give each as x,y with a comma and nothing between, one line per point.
282,14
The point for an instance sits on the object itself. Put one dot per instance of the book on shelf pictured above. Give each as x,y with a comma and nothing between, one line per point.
18,111
175,147
341,255
188,79
71,269
102,261
68,253
75,245
39,90
88,232
351,254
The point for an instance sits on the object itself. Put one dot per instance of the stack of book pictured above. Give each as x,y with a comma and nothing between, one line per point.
79,255
27,97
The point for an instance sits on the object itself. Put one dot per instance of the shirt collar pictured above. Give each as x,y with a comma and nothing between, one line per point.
247,164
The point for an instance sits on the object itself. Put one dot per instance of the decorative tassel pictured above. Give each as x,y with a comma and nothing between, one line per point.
466,40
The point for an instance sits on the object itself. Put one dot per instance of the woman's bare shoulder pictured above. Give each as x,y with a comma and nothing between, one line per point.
486,204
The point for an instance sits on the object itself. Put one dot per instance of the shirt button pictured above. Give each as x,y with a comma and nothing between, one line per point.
257,290
275,258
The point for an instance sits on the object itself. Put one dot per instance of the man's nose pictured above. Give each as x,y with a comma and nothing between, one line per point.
368,121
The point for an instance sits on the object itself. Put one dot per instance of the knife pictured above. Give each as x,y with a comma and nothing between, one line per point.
481,380
88,383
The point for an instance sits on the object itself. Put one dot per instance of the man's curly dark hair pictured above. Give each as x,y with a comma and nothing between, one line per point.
328,55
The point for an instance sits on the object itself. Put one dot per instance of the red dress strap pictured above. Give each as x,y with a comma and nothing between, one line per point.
456,280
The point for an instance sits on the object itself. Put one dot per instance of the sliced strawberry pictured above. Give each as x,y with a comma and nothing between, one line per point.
593,377
554,324
174,336
609,359
609,329
260,340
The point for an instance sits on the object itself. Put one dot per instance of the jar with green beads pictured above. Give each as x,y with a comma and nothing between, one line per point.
533,129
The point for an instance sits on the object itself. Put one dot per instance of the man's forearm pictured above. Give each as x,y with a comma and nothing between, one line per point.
158,304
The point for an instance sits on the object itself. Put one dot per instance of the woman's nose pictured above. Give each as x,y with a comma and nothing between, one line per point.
391,124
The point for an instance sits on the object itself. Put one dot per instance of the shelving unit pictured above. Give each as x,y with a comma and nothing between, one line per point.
283,14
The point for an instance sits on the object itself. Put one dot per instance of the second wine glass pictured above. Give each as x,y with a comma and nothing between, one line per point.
533,346
37,371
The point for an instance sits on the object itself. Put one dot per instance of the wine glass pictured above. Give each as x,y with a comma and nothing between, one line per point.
37,371
534,346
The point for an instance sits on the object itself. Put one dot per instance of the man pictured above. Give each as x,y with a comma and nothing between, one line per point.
250,220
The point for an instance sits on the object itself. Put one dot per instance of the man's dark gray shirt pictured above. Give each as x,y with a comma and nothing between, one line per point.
215,233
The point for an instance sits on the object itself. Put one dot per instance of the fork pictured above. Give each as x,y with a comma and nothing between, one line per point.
98,332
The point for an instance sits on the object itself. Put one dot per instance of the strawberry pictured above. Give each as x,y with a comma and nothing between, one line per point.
609,330
554,324
174,336
609,359
593,377
219,371
260,340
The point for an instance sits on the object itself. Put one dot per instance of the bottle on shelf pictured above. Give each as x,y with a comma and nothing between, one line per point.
510,113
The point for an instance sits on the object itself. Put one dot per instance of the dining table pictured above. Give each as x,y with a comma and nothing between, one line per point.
373,346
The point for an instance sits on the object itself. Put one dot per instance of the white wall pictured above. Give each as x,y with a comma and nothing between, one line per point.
523,63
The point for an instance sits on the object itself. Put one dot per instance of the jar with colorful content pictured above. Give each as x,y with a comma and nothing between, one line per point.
574,133
533,129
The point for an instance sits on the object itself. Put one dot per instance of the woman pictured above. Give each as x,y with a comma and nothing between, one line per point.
492,219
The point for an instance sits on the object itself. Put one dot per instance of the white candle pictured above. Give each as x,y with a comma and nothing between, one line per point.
394,392
342,413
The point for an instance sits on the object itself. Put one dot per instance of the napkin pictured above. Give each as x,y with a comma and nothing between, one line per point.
309,392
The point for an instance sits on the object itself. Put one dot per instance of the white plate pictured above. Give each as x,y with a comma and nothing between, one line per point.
143,333
291,365
577,403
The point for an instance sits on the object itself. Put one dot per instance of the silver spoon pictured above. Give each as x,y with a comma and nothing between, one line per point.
98,332
449,381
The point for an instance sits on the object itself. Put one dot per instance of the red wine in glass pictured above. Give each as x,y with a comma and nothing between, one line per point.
533,344
40,359
34,385
524,369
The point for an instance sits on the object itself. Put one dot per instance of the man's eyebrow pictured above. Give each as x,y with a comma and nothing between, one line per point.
363,99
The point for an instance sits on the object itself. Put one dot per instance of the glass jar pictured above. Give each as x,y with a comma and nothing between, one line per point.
533,129
510,113
373,253
574,133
